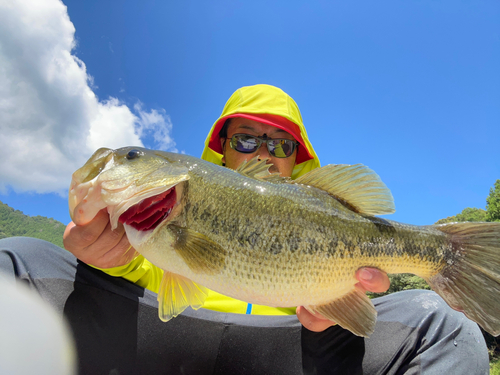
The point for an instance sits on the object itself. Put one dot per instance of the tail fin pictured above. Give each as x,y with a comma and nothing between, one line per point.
471,281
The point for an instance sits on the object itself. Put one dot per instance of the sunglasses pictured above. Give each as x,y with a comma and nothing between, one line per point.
247,144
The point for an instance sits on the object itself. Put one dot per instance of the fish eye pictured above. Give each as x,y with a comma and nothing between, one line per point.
132,154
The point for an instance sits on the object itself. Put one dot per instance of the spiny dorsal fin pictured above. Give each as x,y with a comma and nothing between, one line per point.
356,186
258,169
176,294
353,311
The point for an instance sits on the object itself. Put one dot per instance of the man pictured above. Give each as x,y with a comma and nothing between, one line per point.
260,110
415,333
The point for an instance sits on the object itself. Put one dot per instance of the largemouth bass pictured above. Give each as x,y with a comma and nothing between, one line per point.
267,240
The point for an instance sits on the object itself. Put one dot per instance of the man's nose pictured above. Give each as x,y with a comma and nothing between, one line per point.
263,152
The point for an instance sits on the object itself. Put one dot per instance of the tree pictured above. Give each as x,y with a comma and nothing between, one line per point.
402,281
492,213
15,223
467,214
493,203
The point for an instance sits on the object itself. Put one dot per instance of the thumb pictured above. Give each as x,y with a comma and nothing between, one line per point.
372,280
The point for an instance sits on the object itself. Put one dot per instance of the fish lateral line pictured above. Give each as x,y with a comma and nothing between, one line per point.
460,261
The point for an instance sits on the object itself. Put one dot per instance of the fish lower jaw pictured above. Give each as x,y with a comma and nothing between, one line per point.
84,201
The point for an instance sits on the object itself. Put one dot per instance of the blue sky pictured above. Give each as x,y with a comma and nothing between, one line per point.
409,88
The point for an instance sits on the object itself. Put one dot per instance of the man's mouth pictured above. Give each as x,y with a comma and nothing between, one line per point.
150,212
273,168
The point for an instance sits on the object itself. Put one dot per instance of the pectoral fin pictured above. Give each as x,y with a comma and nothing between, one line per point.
356,186
200,253
354,311
176,294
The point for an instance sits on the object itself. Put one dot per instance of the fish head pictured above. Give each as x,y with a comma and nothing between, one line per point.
139,187
83,186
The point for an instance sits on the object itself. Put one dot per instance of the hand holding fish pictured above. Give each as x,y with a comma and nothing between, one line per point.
370,280
95,243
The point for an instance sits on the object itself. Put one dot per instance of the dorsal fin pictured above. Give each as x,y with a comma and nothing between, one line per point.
356,186
258,169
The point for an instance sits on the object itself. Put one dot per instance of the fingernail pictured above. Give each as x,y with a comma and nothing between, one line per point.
365,274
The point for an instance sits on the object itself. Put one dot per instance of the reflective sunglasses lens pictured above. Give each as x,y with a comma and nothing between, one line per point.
281,148
245,144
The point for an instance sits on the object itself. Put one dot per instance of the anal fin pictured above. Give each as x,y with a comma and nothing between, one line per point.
176,294
354,311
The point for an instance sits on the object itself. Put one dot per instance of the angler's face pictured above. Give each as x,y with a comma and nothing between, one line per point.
240,125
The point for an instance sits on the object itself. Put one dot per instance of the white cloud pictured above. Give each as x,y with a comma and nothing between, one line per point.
156,123
50,119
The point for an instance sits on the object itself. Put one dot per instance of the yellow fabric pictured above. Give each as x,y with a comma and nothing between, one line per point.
251,99
264,99
141,272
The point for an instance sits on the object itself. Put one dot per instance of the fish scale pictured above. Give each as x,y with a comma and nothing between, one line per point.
319,279
267,240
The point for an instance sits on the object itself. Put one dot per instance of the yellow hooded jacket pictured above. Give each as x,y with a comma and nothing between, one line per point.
264,103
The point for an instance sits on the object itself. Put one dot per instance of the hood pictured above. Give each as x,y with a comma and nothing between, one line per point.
269,105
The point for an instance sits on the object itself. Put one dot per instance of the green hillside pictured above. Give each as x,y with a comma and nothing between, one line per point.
15,223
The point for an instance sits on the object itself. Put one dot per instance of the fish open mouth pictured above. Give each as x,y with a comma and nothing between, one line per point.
150,212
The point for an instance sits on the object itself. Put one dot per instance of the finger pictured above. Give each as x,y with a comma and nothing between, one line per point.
372,280
108,249
313,322
77,237
121,254
68,229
